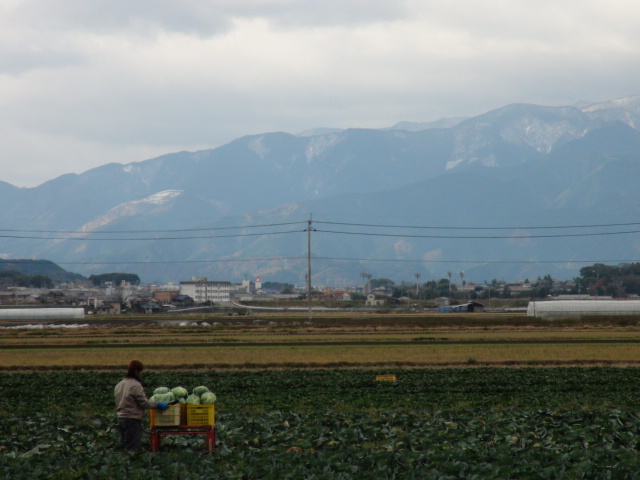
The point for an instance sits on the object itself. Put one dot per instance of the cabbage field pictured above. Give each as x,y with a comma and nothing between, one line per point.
450,423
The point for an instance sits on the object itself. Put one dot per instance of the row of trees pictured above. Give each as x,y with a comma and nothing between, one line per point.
616,281
14,278
116,278
595,280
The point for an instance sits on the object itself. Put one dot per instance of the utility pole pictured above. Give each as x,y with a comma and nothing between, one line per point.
309,230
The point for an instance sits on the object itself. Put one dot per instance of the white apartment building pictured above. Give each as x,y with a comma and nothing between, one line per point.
202,290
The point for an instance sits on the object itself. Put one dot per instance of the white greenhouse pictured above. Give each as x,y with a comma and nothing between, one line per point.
583,308
40,313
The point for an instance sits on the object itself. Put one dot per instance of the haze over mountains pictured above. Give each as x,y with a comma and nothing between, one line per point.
475,179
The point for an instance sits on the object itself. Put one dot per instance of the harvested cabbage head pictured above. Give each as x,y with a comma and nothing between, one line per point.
208,398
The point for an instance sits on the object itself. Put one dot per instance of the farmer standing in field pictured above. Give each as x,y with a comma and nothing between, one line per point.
131,403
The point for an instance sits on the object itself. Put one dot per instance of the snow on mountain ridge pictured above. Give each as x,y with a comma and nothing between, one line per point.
631,103
257,146
540,135
319,144
129,209
160,197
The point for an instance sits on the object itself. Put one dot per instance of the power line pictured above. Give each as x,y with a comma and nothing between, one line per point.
433,227
477,237
483,262
156,262
93,239
373,225
83,236
92,232
342,259
80,236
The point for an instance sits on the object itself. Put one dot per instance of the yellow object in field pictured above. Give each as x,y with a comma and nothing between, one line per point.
201,414
386,378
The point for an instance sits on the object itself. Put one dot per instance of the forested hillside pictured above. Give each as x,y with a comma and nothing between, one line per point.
21,272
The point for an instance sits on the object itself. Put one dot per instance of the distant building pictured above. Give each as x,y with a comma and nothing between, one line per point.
165,296
374,300
441,301
328,294
583,308
182,301
109,308
203,290
166,287
518,287
582,297
40,313
465,307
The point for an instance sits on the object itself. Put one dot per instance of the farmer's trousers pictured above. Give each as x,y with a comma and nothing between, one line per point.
131,433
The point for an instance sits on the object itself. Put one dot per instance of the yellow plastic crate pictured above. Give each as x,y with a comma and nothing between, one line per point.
200,414
169,418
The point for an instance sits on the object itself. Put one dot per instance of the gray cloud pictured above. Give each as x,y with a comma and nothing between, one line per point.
201,17
133,16
84,83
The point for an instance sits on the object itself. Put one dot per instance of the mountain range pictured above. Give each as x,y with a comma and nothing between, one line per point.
514,193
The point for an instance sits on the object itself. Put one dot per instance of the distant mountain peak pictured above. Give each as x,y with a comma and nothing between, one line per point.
318,131
418,126
515,134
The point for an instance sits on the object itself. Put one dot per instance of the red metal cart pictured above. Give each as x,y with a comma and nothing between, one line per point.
208,430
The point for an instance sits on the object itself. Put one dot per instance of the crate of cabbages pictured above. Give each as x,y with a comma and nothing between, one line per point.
195,409
201,407
167,418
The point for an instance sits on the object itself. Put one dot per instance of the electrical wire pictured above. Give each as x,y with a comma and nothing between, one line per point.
372,225
343,259
477,228
80,236
476,237
156,262
85,236
91,232
407,260
92,239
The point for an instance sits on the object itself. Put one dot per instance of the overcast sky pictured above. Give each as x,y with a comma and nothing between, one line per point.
89,82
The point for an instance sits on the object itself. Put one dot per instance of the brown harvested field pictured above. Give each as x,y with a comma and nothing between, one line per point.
424,340
315,356
338,328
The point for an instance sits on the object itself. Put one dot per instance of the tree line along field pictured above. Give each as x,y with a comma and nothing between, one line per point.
470,423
